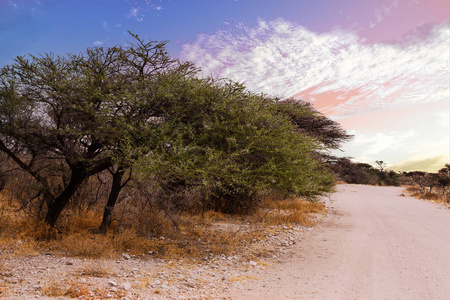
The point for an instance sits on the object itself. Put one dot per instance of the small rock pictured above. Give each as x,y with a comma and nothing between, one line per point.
112,283
253,263
190,284
126,286
126,256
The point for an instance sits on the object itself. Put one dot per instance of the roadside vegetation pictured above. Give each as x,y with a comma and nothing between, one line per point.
430,186
362,173
126,149
423,185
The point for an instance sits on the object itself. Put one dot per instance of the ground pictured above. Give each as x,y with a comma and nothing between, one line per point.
52,276
375,243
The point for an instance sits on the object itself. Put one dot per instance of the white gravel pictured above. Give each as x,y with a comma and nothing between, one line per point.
131,277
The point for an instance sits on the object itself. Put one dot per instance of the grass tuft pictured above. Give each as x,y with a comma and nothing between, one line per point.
290,211
96,269
441,196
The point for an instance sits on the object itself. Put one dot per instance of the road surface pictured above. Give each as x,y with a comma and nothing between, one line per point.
375,245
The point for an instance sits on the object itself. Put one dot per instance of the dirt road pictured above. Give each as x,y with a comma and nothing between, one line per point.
375,245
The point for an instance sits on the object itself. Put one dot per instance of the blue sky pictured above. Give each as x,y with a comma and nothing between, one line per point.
380,68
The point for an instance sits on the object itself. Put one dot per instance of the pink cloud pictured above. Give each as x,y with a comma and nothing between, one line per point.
344,77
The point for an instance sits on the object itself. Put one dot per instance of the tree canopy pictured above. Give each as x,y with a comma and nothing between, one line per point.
66,118
231,143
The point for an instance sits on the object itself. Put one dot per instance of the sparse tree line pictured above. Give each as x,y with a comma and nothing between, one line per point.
133,123
363,173
431,185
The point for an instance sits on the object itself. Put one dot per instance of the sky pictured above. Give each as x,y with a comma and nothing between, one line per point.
378,67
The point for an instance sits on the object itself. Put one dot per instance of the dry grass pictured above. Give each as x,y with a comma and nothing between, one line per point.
440,196
340,182
96,269
290,211
56,288
73,289
4,287
147,231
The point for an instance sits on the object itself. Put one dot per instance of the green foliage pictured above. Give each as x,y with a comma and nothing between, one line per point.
232,144
64,119
309,121
202,142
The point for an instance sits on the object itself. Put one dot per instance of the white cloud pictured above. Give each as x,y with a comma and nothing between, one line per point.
443,119
282,58
98,43
382,12
383,141
422,163
141,7
378,146
133,12
285,59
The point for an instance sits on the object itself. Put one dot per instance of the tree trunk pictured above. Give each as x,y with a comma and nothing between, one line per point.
55,208
112,199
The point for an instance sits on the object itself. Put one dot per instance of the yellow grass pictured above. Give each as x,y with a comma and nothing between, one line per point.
95,269
181,235
438,196
290,211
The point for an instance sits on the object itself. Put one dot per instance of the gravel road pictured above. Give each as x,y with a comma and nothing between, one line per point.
376,244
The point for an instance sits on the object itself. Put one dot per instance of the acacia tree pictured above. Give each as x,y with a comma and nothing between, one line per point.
309,121
381,165
81,111
231,144
64,119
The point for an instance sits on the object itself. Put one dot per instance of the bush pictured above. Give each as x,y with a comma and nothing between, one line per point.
231,145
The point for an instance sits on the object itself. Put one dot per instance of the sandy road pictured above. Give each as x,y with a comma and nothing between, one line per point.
375,245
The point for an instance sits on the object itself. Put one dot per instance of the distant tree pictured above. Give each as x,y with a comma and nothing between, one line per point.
351,172
365,166
420,178
381,165
445,172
